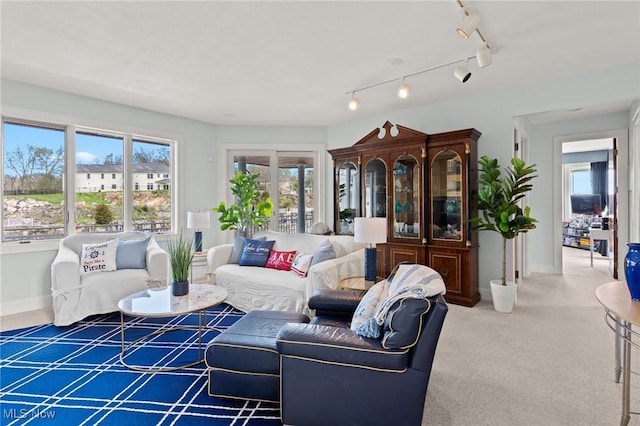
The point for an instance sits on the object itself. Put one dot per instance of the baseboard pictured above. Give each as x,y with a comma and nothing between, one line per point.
25,305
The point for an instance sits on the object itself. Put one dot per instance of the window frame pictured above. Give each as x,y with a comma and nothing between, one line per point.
71,125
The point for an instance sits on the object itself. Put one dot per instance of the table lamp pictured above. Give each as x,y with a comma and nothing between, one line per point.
198,221
371,230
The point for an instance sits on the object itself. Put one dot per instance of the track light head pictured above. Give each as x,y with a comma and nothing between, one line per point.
353,103
483,56
462,72
469,25
404,91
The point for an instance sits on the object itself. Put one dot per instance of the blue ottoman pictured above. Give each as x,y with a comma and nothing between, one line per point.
243,360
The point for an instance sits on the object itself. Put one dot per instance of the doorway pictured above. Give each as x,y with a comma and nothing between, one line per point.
588,205
619,204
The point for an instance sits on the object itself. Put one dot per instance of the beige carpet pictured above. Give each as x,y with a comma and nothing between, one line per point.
550,362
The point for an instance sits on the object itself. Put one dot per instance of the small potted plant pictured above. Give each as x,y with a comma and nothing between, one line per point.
250,208
498,201
180,255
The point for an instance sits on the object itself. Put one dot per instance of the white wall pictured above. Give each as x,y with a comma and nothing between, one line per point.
493,115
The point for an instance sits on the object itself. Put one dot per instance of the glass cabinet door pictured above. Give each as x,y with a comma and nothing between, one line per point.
348,198
406,197
446,196
375,197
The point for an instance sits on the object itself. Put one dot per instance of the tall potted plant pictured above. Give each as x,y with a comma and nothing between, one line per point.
250,208
498,201
180,255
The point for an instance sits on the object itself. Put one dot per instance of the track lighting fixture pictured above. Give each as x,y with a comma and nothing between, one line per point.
462,72
469,24
483,56
354,102
404,90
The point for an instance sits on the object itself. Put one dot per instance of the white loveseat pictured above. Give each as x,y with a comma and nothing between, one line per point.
252,287
76,295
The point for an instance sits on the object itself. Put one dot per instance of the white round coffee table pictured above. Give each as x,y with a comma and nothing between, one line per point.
159,303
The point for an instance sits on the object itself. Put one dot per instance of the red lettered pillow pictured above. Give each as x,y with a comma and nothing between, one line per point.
280,260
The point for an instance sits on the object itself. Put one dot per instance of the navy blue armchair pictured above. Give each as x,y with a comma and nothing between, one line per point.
332,376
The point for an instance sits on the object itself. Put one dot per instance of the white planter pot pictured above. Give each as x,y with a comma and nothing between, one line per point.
503,296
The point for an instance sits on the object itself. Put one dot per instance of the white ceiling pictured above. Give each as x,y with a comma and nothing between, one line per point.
291,63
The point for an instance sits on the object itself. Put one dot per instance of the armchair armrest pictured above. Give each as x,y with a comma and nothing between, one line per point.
328,274
330,301
342,346
157,263
218,256
65,270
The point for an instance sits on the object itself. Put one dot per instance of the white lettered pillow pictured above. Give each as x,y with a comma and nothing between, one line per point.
99,257
301,264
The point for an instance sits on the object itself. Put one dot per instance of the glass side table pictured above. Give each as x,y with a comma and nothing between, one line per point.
199,269
356,283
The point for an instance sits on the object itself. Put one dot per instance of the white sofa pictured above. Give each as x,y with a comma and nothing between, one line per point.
76,295
252,287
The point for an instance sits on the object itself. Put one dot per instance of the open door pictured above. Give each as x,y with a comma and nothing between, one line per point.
613,213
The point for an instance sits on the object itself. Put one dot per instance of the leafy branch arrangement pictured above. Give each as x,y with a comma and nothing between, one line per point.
498,199
248,209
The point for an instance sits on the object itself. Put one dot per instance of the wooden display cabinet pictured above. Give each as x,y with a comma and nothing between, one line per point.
423,185
390,163
452,248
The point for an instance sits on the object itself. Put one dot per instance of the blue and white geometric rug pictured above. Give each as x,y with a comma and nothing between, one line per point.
73,376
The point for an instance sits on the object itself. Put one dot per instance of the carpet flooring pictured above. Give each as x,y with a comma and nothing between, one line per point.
73,376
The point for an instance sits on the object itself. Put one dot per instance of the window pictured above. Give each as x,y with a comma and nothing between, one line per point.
34,169
33,159
581,181
136,186
295,196
149,175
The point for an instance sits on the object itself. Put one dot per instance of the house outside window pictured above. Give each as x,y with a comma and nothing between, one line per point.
150,186
62,193
149,175
136,186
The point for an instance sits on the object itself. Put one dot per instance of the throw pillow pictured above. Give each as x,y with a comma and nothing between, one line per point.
99,257
324,252
403,323
368,305
132,254
255,252
280,260
301,264
238,246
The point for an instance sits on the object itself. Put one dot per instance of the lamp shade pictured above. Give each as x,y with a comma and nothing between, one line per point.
198,220
483,55
371,230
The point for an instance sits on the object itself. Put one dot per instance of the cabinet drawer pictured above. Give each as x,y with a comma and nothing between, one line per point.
449,266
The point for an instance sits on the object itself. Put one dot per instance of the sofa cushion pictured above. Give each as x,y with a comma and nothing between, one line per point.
99,257
301,264
132,254
280,260
252,287
324,252
255,252
238,246
403,323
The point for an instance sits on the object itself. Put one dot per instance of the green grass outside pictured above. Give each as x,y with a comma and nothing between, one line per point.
88,197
